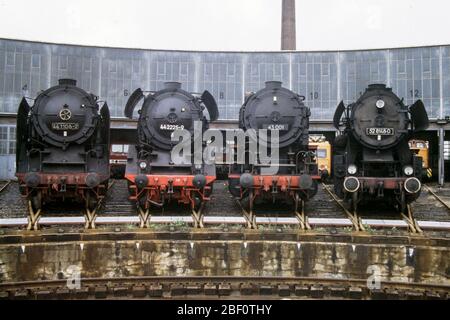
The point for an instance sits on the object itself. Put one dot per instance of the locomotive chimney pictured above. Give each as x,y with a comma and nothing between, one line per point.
273,84
68,82
172,85
378,86
288,25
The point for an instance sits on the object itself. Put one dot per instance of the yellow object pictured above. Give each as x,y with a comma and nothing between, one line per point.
323,152
422,149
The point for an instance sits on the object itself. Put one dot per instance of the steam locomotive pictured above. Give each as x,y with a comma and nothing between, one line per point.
277,110
155,178
63,147
372,158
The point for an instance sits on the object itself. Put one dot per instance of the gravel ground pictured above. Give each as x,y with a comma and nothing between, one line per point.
223,204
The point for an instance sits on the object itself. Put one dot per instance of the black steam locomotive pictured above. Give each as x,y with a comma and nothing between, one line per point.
275,109
155,178
63,147
372,159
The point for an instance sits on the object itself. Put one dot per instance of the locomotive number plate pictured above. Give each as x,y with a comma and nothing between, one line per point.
380,131
171,127
276,126
65,126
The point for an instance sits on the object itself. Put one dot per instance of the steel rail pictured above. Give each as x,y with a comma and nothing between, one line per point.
3,187
221,285
223,279
224,220
437,197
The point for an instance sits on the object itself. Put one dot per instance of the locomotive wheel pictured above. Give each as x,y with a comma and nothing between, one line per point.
197,203
208,192
250,201
142,201
339,188
36,201
245,202
233,187
130,190
297,202
313,190
91,201
402,205
354,202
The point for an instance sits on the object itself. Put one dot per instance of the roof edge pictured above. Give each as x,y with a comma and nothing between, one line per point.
217,51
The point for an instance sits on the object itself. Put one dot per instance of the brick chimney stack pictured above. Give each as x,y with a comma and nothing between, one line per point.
288,25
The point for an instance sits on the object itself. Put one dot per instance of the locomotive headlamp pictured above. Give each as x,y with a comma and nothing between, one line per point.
380,104
143,165
352,169
408,170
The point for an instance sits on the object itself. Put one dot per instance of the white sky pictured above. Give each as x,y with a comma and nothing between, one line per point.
229,25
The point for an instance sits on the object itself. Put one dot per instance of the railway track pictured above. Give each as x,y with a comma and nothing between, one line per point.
167,287
323,210
4,185
444,198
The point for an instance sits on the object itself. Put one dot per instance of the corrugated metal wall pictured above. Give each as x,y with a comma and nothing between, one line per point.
323,77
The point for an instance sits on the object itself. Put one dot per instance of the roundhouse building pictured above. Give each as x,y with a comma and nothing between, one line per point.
324,78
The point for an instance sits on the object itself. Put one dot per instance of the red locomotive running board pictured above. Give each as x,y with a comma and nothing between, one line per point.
281,181
165,180
388,183
57,178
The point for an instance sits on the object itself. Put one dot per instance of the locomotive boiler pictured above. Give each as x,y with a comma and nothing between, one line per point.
372,159
275,109
155,178
63,147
